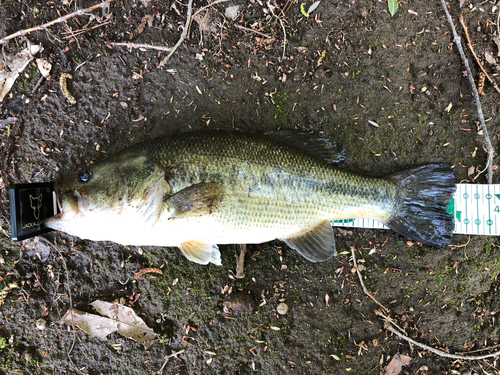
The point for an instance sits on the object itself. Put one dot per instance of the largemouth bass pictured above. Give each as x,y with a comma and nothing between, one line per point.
196,190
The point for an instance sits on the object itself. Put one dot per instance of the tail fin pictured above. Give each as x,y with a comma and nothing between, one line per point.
421,214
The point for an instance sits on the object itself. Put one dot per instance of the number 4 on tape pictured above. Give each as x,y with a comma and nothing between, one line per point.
476,209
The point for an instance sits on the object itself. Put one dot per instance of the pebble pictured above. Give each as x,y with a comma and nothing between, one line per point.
41,324
282,308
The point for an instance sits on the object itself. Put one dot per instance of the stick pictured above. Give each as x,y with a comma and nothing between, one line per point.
475,56
440,352
53,22
183,35
389,321
206,6
82,31
201,10
167,358
253,31
135,45
240,262
363,284
489,147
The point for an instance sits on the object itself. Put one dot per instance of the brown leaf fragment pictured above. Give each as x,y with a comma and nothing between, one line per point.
94,325
489,58
397,363
129,324
120,318
497,42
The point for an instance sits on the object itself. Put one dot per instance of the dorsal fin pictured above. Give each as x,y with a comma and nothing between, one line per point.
316,144
316,245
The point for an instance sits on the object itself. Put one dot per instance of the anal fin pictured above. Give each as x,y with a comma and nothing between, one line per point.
200,252
316,245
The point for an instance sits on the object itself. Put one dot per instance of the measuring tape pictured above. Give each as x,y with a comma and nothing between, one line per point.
476,209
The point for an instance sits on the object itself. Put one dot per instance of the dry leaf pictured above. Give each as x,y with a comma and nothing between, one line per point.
489,58
44,67
120,318
497,42
397,363
313,7
16,64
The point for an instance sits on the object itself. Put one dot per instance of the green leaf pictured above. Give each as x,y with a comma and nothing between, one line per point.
393,6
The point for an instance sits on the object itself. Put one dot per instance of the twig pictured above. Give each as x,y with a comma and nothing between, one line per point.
464,245
475,56
253,31
39,282
284,36
53,22
135,45
85,30
363,284
206,6
201,10
458,43
389,321
440,352
167,358
183,35
240,262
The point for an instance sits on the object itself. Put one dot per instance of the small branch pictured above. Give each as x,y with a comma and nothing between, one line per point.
53,22
201,10
363,284
135,45
240,262
440,352
458,43
253,31
389,321
207,6
183,35
85,30
475,56
167,358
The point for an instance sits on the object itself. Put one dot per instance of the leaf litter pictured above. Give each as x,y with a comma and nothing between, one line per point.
118,318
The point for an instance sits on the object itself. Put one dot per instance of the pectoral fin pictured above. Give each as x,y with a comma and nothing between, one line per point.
316,245
196,200
200,252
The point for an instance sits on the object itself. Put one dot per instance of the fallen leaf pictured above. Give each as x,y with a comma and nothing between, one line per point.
120,318
470,171
16,64
313,7
44,67
497,42
397,363
489,58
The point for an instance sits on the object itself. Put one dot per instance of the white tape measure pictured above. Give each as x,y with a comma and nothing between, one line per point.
476,209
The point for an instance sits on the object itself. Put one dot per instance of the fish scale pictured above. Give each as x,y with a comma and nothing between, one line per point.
276,176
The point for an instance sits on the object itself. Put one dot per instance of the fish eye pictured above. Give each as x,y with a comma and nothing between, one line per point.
84,176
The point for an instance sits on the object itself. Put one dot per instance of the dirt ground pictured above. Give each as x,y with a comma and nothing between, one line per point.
349,63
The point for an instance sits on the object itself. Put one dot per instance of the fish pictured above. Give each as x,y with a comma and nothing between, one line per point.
198,190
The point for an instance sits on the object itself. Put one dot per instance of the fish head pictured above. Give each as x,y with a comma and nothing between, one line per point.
98,197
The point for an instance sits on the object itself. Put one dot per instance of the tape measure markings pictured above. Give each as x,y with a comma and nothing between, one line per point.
475,207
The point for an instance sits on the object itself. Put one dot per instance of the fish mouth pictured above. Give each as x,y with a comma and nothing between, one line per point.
72,205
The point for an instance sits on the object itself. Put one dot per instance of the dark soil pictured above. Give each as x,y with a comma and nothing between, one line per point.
347,64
